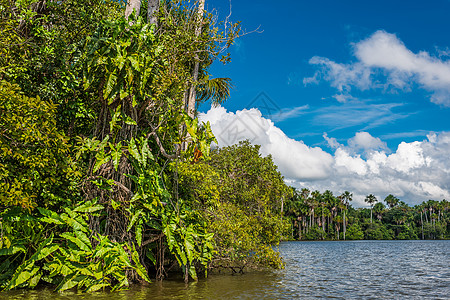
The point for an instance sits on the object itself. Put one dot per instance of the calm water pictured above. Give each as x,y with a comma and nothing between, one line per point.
341,270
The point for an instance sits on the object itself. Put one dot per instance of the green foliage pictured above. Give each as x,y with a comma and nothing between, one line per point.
121,59
247,219
240,194
354,232
143,189
62,250
34,165
378,231
311,211
315,233
188,239
37,51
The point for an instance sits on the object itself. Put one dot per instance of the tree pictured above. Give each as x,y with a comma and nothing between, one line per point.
378,209
40,42
133,81
391,201
371,200
247,218
346,197
35,165
190,105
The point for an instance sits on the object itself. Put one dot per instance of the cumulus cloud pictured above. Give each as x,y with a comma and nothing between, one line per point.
294,159
414,172
366,142
385,55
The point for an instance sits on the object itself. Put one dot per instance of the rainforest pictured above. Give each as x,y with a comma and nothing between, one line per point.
107,176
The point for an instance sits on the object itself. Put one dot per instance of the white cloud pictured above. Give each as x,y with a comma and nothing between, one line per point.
384,55
408,156
346,164
294,159
364,141
357,114
341,76
415,172
289,113
332,142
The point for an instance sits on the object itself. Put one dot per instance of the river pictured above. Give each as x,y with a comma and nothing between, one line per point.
339,270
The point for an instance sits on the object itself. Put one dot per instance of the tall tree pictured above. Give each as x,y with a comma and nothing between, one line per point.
346,197
391,201
371,200
192,94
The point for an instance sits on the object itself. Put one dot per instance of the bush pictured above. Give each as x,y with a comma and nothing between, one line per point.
354,232
34,165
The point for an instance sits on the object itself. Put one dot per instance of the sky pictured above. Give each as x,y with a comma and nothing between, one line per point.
345,95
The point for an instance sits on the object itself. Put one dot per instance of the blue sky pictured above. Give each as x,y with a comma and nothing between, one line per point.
352,79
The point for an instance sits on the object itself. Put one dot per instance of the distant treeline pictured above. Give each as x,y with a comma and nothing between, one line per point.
324,216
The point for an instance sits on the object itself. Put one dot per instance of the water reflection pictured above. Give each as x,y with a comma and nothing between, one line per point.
342,270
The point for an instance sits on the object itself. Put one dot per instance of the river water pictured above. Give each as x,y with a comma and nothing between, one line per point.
339,270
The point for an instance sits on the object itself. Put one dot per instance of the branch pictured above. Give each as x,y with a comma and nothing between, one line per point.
161,235
161,147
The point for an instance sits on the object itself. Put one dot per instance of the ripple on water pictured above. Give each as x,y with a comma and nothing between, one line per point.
334,270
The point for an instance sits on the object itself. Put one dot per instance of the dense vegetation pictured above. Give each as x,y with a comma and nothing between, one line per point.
323,216
106,175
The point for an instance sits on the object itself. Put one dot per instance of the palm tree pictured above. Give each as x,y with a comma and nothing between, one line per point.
391,201
378,209
329,210
346,197
371,200
315,201
216,89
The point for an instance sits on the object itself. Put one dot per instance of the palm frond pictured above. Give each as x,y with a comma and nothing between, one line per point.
217,90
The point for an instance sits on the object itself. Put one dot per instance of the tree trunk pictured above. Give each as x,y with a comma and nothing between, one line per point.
300,230
191,97
152,9
421,221
132,5
345,227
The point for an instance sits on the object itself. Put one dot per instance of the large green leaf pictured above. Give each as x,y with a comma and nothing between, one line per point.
139,233
69,282
13,249
89,207
132,149
35,279
81,244
50,216
101,158
23,276
96,287
44,252
75,224
134,218
116,154
112,79
138,266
